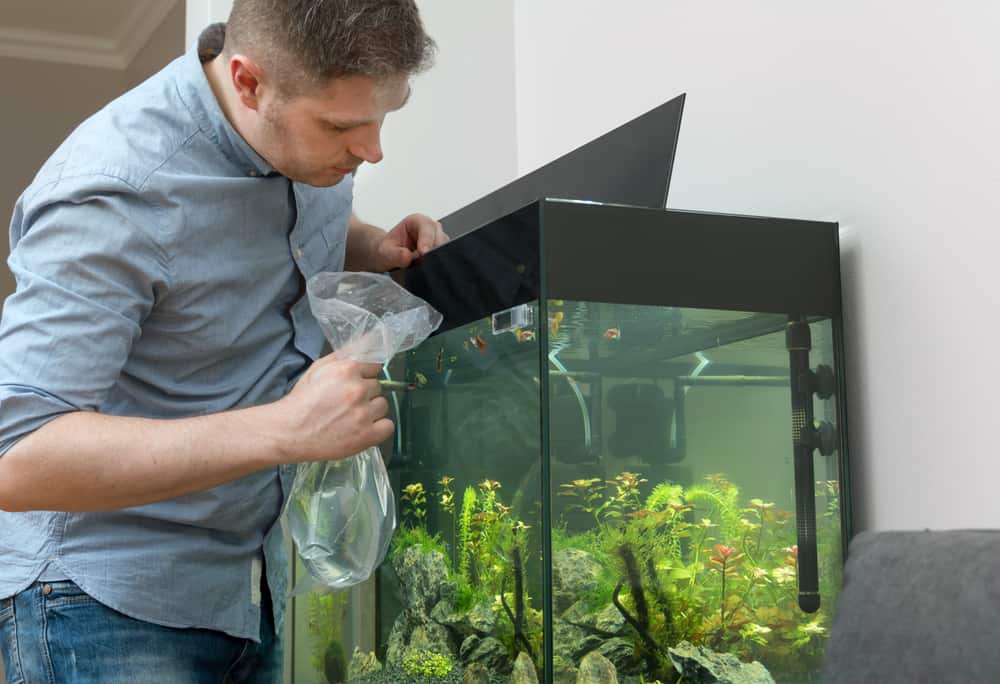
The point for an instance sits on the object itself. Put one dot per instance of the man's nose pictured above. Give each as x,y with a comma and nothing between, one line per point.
368,146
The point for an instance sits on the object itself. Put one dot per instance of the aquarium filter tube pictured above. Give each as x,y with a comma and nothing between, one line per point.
584,411
677,439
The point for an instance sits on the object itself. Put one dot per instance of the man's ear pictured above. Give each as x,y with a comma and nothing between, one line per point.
246,76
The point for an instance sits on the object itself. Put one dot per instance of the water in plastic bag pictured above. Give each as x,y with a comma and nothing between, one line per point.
341,514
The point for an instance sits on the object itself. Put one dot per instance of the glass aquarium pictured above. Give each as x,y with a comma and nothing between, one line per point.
621,458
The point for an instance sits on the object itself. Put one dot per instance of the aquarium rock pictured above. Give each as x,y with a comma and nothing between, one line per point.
362,664
575,573
596,669
416,633
700,665
489,652
524,670
423,576
570,643
606,622
480,620
621,653
564,674
476,673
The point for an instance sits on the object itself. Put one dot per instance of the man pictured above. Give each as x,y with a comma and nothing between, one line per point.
159,366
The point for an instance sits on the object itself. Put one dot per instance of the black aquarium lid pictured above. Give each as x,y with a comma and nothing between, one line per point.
628,165
634,255
583,251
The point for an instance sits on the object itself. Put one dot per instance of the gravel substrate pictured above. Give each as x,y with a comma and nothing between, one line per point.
393,675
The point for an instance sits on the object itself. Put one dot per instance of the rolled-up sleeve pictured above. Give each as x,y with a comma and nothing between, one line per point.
89,270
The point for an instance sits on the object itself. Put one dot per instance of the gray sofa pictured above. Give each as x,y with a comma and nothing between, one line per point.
918,607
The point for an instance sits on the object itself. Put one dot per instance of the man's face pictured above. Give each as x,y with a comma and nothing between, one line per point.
319,137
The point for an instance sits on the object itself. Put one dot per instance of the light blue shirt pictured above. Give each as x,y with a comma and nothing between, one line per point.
159,264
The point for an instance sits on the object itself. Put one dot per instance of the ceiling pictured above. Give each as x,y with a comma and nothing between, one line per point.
100,33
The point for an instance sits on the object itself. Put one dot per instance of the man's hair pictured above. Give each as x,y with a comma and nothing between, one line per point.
308,42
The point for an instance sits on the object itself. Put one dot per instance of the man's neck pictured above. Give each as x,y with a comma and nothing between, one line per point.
217,73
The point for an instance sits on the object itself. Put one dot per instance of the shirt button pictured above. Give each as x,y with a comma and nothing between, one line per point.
251,172
47,589
298,252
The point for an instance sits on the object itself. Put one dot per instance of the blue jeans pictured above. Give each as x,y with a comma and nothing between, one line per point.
53,632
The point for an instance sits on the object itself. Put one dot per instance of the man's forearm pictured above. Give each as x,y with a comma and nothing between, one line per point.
88,461
360,248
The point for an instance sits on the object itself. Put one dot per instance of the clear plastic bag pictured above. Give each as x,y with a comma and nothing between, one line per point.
341,514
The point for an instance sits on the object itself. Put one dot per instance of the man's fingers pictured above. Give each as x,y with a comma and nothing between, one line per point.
382,429
379,408
370,370
374,389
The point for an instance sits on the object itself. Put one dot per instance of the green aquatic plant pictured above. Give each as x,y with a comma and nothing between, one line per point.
407,536
414,499
517,616
464,541
427,664
335,663
625,497
702,564
586,495
664,495
446,495
640,621
325,616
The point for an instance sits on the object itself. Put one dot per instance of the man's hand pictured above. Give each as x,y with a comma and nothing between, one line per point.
412,237
335,410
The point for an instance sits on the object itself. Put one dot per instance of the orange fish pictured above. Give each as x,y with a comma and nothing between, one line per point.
524,335
612,334
554,321
479,343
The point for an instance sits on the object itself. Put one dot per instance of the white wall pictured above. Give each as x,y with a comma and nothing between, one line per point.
455,140
201,13
882,116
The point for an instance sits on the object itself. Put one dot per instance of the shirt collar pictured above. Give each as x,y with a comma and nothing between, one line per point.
197,94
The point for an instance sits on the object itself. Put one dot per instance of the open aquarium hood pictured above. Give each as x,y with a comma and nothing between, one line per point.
628,165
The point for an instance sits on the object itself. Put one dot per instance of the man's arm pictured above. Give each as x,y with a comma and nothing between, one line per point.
361,248
369,248
86,461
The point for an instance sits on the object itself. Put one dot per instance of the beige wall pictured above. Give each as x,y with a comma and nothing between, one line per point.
45,101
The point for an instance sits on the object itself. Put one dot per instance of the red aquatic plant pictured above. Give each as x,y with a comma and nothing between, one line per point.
725,559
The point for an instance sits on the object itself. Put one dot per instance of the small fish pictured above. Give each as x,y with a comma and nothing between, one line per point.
421,378
556,302
452,359
439,360
524,335
554,321
479,343
612,334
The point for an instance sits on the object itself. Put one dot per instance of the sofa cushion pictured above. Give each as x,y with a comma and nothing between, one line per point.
918,607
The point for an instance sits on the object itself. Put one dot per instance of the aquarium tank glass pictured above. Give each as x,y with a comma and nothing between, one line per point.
621,458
